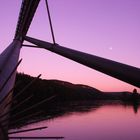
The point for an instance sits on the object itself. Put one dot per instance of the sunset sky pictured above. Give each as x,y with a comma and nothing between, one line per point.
106,28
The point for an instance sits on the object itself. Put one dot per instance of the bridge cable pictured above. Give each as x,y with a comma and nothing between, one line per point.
50,21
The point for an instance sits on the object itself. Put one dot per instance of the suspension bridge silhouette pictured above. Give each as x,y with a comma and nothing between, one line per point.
9,60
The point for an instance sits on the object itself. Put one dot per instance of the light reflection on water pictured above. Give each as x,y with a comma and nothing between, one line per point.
107,122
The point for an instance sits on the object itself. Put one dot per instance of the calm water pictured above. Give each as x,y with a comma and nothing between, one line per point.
108,122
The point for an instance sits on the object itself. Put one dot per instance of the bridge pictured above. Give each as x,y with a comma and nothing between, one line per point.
117,70
9,58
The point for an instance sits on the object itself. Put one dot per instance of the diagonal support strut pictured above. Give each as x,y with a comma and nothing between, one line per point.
123,72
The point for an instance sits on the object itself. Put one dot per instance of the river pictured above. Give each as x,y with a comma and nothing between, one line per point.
105,122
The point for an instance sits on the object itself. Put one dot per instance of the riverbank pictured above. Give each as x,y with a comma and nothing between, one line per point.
46,99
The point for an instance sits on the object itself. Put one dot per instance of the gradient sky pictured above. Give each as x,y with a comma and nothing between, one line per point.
106,28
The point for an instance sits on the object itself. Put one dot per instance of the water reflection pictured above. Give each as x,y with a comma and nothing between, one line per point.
134,104
99,120
58,109
53,110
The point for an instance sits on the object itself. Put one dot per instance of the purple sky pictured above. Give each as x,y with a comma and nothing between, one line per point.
106,28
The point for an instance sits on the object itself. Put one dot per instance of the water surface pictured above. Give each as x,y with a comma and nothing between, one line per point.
106,122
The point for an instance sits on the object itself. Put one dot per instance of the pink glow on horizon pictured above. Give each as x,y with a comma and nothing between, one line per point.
92,26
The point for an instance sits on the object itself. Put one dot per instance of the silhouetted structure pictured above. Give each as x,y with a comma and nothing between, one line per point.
9,60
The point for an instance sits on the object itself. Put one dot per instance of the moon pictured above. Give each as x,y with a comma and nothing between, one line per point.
110,48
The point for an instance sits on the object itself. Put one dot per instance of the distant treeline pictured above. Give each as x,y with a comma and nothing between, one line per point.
64,91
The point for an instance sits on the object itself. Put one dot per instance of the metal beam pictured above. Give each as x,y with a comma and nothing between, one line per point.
8,64
20,138
27,11
27,130
9,76
34,105
115,69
